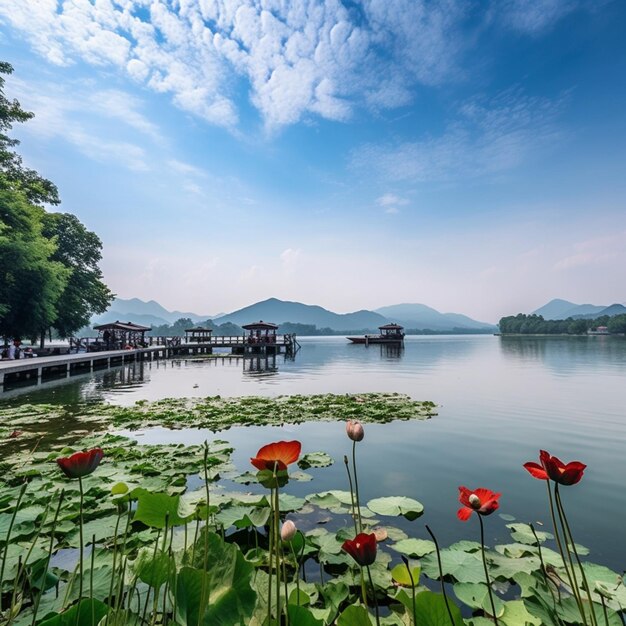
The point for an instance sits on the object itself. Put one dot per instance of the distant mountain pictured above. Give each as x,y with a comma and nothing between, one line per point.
562,309
411,316
555,309
150,312
420,316
614,309
277,311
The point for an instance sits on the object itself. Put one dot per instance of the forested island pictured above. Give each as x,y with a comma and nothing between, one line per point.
522,324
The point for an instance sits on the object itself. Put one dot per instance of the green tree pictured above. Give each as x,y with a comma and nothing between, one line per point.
13,175
79,251
31,282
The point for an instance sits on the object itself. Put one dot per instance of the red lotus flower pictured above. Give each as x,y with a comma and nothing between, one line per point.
81,463
483,501
554,469
362,548
277,455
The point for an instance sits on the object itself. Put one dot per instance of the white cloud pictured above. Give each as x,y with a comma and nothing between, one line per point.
301,58
606,251
289,259
533,17
484,138
390,199
392,210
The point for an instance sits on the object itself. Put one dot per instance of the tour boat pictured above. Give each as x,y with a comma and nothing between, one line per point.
389,333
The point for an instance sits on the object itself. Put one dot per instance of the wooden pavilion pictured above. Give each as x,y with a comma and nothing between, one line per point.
198,335
119,335
261,333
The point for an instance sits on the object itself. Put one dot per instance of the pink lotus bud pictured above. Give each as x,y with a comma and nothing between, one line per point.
288,531
381,534
355,431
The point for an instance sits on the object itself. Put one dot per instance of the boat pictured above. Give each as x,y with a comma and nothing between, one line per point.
389,333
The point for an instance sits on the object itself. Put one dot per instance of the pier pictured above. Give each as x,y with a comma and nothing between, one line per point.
40,369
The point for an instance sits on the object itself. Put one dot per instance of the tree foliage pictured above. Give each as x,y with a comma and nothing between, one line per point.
522,324
49,274
78,250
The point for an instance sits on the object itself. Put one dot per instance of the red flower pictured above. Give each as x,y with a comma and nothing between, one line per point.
277,455
81,463
362,548
554,469
481,500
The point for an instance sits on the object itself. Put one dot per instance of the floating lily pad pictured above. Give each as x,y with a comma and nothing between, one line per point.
396,505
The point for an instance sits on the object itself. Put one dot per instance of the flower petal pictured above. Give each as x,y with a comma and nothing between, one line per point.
464,514
536,471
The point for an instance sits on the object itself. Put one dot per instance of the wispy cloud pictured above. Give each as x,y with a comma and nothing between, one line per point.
302,58
608,251
534,17
485,136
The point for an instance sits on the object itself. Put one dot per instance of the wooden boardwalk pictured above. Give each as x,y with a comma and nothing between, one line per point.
49,367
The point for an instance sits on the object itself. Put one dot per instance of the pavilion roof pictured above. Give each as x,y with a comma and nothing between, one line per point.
117,325
260,325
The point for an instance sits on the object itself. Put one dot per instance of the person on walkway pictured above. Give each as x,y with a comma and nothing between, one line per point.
15,352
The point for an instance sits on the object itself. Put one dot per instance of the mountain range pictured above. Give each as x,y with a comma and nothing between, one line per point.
411,316
558,309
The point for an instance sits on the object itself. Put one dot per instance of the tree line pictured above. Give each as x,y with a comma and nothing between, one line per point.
50,280
522,324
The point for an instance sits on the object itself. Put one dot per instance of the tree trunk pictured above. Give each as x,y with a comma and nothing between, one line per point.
42,339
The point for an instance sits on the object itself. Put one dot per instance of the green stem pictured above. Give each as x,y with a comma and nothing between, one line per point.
8,537
545,575
50,548
93,556
80,535
369,575
568,533
356,486
117,526
277,547
271,558
571,577
363,589
443,587
345,460
482,545
408,569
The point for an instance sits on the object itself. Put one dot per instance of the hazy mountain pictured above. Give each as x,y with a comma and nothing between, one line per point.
133,309
420,316
411,316
562,309
277,311
614,309
555,309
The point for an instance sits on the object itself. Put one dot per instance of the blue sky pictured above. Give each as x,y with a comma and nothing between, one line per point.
466,155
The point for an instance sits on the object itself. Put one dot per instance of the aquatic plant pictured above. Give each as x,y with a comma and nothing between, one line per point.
170,537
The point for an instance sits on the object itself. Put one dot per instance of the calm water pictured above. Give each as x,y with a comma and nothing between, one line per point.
500,399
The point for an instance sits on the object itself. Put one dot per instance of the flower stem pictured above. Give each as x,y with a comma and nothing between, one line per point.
568,534
277,547
80,536
345,460
271,557
356,486
571,577
8,537
443,587
369,575
482,545
408,569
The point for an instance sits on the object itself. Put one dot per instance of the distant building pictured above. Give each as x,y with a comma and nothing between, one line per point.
600,330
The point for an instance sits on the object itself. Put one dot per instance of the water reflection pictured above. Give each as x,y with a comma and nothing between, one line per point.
567,355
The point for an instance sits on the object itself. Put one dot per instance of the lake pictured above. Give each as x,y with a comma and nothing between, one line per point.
500,400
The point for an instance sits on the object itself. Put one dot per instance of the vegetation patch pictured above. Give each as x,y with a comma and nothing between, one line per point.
216,413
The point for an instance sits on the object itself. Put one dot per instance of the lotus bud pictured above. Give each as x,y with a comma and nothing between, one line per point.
355,431
381,534
474,501
288,531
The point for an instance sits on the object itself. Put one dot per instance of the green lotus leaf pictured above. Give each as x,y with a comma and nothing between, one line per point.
523,533
416,548
396,505
152,568
476,596
462,566
400,575
302,616
355,615
157,509
88,612
315,459
219,596
431,610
